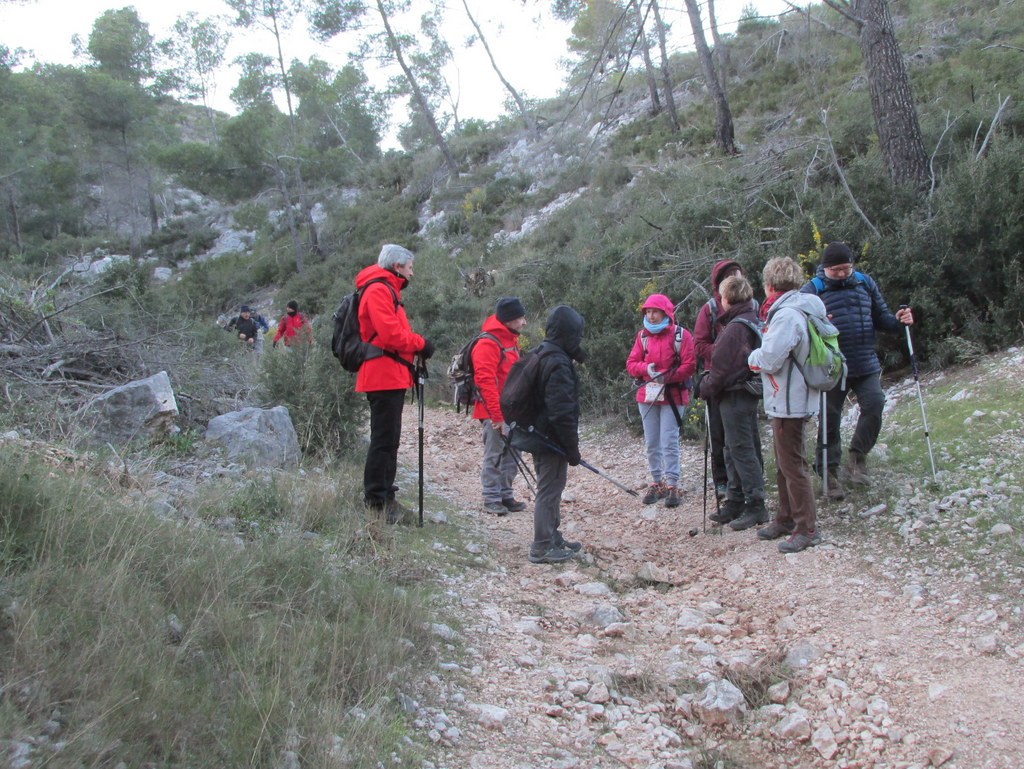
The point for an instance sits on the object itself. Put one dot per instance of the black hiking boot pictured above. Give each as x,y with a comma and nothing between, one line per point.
552,555
754,514
513,505
730,510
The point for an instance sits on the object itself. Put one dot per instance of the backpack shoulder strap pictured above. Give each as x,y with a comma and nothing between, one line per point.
818,283
387,285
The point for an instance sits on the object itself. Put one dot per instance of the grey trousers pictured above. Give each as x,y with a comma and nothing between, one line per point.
742,446
871,399
498,469
552,471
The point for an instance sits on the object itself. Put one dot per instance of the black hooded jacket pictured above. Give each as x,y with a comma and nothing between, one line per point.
558,384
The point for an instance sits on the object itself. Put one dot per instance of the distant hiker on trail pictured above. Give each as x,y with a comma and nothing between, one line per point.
554,437
293,327
247,326
492,358
724,385
662,360
705,330
385,379
855,306
788,402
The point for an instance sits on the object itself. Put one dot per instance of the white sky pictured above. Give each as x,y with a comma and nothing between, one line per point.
526,43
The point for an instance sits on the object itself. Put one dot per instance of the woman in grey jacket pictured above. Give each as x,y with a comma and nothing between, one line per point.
788,402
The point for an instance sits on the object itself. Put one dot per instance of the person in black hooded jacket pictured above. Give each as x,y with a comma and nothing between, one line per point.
554,440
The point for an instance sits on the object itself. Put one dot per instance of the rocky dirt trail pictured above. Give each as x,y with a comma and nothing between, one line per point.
631,655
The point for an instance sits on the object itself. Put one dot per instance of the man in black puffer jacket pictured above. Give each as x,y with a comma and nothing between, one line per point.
554,441
856,307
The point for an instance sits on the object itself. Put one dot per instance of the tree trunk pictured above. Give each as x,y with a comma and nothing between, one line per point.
12,206
645,49
721,50
417,92
892,101
528,121
666,77
724,137
289,212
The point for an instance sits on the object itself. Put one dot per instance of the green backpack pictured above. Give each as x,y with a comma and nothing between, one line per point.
825,365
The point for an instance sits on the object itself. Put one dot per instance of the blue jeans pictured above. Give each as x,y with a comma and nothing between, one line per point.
661,437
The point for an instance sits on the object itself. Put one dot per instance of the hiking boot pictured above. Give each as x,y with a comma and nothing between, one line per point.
754,514
836,492
654,492
857,469
730,510
397,513
671,496
513,505
552,555
800,541
495,508
776,529
568,544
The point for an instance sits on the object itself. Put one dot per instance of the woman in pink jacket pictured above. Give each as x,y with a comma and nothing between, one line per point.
662,360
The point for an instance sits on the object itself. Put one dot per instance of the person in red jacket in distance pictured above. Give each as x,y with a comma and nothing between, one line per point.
385,378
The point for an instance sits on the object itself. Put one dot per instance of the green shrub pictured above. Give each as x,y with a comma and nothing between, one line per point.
327,413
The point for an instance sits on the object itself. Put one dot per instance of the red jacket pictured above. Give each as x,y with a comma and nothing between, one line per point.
661,352
703,333
383,324
293,327
490,367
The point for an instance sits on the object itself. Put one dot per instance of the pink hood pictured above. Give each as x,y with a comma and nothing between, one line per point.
663,303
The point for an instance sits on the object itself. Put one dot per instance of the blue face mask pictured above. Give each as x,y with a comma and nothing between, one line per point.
656,328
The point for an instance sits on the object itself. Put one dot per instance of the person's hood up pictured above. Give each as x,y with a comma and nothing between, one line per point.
719,270
809,303
365,275
663,303
564,327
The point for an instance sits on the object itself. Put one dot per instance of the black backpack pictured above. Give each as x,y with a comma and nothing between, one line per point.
460,372
346,343
521,399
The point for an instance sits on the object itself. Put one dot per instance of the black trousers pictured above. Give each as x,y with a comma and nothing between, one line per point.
382,456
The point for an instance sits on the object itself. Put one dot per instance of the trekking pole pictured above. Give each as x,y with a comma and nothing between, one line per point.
524,469
920,397
707,451
711,449
421,377
560,451
823,442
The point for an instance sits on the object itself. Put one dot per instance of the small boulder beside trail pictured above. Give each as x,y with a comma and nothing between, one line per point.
257,437
144,408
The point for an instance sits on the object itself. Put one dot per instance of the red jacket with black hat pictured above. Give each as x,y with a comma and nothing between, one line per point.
491,363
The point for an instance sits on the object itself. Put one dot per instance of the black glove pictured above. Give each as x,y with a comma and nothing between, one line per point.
274,343
573,457
428,349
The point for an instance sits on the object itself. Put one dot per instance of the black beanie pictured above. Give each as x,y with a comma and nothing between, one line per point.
245,308
509,308
293,305
835,254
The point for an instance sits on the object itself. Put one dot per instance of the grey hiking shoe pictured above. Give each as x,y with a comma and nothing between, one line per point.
836,491
754,514
495,508
552,555
774,530
857,468
730,510
397,513
671,496
800,541
513,505
654,492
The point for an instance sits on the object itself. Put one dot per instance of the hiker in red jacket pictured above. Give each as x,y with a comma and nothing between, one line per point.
492,358
293,326
385,378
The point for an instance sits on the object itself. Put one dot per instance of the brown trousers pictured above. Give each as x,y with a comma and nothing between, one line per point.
793,475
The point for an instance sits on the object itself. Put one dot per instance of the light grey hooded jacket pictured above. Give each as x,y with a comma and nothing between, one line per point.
786,394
